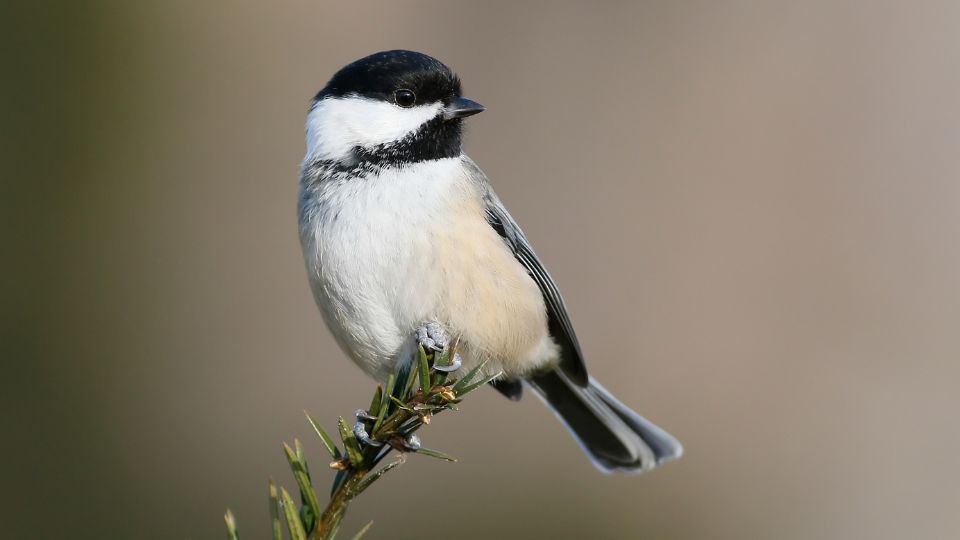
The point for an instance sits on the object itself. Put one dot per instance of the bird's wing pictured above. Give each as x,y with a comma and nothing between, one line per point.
571,359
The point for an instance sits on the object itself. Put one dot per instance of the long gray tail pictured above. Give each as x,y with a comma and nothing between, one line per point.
615,438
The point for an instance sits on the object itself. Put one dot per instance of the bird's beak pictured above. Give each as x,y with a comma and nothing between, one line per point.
461,108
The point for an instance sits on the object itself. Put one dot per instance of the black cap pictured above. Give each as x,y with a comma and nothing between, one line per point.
382,74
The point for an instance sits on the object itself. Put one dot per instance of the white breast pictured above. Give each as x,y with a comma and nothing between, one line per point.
389,252
368,255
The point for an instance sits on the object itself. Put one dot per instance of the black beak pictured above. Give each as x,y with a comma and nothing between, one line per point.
461,108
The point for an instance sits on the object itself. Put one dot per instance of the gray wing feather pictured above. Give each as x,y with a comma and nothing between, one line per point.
571,359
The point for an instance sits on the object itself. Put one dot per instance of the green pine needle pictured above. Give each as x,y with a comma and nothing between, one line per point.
373,477
324,437
232,526
293,519
436,454
404,379
463,382
307,494
400,409
400,405
301,455
350,443
363,531
385,404
275,512
377,400
470,388
424,371
409,381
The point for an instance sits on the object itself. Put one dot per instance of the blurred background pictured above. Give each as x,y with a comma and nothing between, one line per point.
752,209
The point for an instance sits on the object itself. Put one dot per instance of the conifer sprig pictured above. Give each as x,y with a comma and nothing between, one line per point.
413,395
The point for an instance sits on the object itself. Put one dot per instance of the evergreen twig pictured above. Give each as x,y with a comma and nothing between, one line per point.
395,414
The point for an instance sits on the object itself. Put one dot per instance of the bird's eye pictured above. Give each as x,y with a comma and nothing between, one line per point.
405,98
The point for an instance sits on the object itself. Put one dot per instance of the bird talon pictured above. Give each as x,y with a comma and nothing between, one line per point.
411,443
454,365
364,415
360,432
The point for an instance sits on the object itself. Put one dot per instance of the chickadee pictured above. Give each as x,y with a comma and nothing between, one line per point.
406,243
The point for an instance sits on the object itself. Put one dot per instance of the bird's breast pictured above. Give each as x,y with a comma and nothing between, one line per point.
411,245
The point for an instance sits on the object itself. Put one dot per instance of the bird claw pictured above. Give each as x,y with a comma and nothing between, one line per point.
410,443
454,365
364,415
360,432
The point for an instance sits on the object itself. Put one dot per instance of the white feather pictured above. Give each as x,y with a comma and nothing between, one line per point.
370,275
403,246
336,125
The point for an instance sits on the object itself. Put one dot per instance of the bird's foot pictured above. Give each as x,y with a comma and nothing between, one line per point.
433,338
409,443
360,429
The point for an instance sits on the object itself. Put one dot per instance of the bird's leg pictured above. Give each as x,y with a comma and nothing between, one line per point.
433,338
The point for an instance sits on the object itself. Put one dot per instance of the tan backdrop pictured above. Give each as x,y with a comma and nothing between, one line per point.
750,207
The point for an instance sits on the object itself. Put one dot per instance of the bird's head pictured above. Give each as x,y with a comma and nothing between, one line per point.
389,107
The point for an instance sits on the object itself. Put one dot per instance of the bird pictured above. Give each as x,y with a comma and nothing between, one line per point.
406,244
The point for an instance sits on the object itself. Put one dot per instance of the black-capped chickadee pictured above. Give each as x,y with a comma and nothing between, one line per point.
405,242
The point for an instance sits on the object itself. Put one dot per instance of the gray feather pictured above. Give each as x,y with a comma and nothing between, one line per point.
614,437
571,359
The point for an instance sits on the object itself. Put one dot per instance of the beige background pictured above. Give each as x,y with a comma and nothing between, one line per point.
751,209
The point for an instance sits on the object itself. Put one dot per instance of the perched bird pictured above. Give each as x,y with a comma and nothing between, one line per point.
406,243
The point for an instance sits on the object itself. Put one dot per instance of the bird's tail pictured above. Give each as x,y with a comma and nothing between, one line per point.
614,437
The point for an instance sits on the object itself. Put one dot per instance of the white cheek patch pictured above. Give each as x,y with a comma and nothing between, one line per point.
336,125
